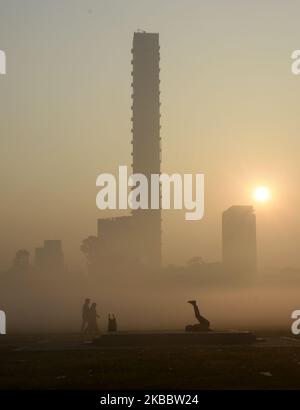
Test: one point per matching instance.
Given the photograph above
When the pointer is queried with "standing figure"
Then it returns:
(92, 327)
(85, 315)
(112, 323)
(109, 324)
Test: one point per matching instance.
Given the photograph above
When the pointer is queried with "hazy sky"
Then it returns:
(230, 108)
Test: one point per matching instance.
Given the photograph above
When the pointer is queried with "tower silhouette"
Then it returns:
(146, 151)
(136, 239)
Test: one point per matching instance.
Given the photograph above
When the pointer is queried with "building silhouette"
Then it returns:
(239, 240)
(146, 149)
(21, 260)
(137, 238)
(50, 257)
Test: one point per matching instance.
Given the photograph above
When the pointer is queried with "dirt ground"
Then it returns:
(69, 362)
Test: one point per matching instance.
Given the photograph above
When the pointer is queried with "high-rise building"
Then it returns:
(146, 149)
(239, 240)
(145, 104)
(138, 237)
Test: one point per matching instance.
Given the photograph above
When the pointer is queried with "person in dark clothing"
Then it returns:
(85, 314)
(109, 324)
(112, 323)
(92, 327)
(203, 325)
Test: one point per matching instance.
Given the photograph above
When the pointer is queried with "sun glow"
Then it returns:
(262, 194)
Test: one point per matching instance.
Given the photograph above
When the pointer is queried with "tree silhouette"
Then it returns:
(89, 248)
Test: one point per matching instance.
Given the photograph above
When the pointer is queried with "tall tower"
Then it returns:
(146, 150)
(239, 240)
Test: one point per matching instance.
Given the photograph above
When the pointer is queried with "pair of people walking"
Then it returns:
(89, 318)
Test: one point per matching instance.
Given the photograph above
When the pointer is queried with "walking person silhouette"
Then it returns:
(112, 323)
(85, 315)
(92, 327)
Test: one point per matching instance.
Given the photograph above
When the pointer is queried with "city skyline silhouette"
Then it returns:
(135, 241)
(224, 114)
(150, 227)
(127, 248)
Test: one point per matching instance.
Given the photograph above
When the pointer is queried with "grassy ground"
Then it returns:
(32, 363)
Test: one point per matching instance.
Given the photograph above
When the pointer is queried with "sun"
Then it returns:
(262, 194)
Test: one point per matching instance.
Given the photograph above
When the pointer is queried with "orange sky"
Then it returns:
(230, 109)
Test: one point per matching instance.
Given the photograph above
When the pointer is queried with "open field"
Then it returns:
(69, 362)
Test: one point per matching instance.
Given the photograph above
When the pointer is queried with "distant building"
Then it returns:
(50, 257)
(239, 240)
(21, 260)
(138, 237)
(146, 137)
